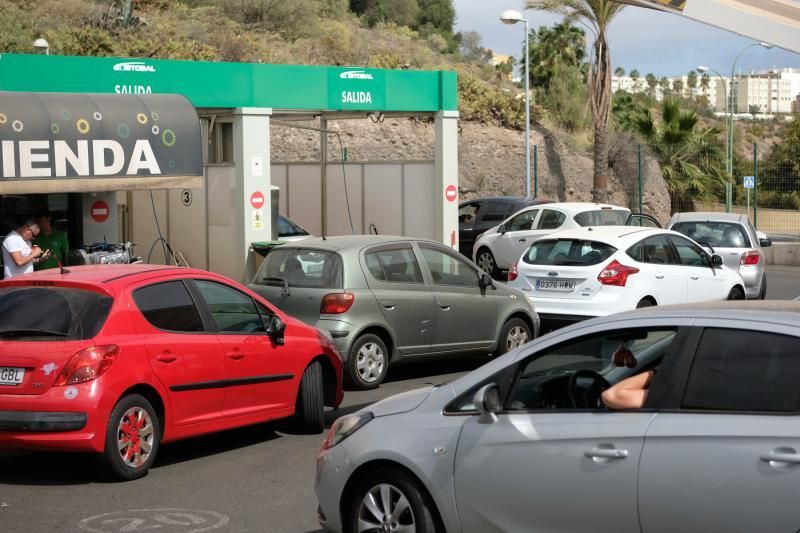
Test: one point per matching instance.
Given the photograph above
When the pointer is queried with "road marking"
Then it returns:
(163, 520)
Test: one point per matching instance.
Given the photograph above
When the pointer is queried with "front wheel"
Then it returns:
(763, 294)
(390, 500)
(132, 438)
(514, 334)
(485, 260)
(367, 363)
(737, 293)
(310, 400)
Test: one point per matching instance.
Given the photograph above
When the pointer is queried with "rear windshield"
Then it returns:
(717, 234)
(603, 217)
(301, 268)
(48, 313)
(567, 252)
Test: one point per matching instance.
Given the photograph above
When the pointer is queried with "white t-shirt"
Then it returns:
(15, 243)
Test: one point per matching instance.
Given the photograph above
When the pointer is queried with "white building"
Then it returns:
(770, 92)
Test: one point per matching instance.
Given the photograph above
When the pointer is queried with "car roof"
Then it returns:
(580, 207)
(108, 275)
(773, 311)
(610, 234)
(708, 216)
(345, 242)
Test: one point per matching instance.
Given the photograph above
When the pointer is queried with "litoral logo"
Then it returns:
(134, 66)
(355, 75)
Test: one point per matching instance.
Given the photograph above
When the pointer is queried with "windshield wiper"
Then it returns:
(30, 333)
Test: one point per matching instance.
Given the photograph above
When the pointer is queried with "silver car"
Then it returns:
(525, 444)
(733, 237)
(387, 298)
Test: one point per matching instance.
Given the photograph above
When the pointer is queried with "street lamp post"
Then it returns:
(704, 69)
(512, 17)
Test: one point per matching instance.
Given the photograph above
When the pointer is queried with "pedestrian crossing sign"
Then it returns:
(749, 182)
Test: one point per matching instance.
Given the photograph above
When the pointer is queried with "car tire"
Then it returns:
(399, 487)
(645, 302)
(367, 363)
(486, 262)
(515, 333)
(311, 400)
(132, 438)
(737, 293)
(763, 294)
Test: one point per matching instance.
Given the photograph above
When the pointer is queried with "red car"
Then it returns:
(117, 359)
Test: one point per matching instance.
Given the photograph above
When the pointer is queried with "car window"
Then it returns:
(169, 306)
(468, 213)
(302, 268)
(551, 219)
(567, 252)
(689, 253)
(737, 370)
(523, 221)
(494, 212)
(232, 311)
(716, 234)
(654, 250)
(602, 217)
(447, 269)
(543, 379)
(287, 228)
(393, 265)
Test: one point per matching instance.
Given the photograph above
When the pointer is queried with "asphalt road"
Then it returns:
(253, 479)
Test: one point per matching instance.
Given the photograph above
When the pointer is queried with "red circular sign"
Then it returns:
(450, 193)
(100, 211)
(257, 200)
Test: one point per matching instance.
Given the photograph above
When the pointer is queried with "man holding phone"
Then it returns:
(51, 240)
(18, 254)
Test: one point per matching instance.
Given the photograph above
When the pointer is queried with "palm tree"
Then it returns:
(619, 72)
(691, 83)
(634, 74)
(549, 48)
(596, 15)
(652, 83)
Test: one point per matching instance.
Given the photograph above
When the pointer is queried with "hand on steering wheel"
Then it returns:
(590, 397)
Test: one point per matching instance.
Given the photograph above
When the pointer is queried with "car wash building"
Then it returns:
(144, 150)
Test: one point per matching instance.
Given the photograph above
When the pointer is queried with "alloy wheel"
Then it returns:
(369, 362)
(135, 436)
(385, 509)
(486, 262)
(517, 336)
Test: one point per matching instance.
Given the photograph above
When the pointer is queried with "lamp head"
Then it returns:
(702, 69)
(511, 16)
(41, 43)
(765, 45)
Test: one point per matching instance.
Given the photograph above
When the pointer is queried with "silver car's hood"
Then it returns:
(401, 403)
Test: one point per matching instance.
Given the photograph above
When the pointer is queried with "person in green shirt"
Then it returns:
(51, 239)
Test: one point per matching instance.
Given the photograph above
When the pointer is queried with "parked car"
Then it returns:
(477, 216)
(524, 443)
(498, 248)
(384, 298)
(290, 231)
(734, 238)
(117, 359)
(587, 272)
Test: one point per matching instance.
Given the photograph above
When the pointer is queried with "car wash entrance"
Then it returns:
(213, 223)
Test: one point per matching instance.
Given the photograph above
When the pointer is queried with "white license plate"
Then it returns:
(562, 285)
(11, 375)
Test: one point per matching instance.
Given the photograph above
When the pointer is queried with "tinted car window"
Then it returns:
(551, 219)
(737, 370)
(233, 311)
(287, 228)
(717, 234)
(42, 313)
(523, 221)
(654, 250)
(168, 306)
(468, 213)
(567, 252)
(602, 217)
(398, 265)
(689, 253)
(447, 269)
(301, 268)
(495, 211)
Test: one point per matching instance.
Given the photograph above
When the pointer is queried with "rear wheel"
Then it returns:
(367, 363)
(645, 302)
(310, 400)
(514, 334)
(737, 293)
(485, 260)
(763, 294)
(132, 438)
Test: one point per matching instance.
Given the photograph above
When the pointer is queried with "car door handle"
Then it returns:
(659, 276)
(388, 305)
(166, 358)
(694, 277)
(236, 356)
(523, 240)
(606, 453)
(444, 305)
(784, 456)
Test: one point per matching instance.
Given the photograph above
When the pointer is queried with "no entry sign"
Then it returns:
(257, 200)
(450, 193)
(100, 211)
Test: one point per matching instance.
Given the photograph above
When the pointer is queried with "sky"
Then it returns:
(642, 39)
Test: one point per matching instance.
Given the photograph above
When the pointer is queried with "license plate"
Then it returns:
(562, 285)
(11, 375)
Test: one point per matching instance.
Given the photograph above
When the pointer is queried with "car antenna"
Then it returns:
(63, 270)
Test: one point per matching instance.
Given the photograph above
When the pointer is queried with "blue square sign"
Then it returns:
(749, 182)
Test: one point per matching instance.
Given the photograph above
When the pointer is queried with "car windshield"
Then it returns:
(567, 252)
(716, 234)
(45, 313)
(287, 228)
(297, 267)
(603, 217)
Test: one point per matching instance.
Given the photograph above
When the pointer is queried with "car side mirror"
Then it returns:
(275, 328)
(502, 229)
(485, 280)
(487, 402)
(716, 260)
(765, 243)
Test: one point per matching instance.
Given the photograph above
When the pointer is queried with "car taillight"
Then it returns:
(616, 274)
(513, 272)
(336, 303)
(87, 365)
(750, 258)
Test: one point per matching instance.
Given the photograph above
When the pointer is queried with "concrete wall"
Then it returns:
(783, 253)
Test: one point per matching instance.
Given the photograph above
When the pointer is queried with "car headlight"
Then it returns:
(344, 427)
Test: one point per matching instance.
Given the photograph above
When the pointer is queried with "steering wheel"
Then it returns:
(588, 397)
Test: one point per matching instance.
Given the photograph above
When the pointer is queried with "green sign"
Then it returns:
(228, 85)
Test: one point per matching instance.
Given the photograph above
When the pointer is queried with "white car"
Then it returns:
(498, 248)
(597, 271)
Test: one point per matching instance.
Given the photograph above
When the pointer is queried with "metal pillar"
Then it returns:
(445, 187)
(323, 167)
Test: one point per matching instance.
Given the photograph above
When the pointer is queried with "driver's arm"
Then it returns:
(630, 393)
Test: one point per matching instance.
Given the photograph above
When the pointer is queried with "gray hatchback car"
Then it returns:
(383, 298)
(524, 444)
